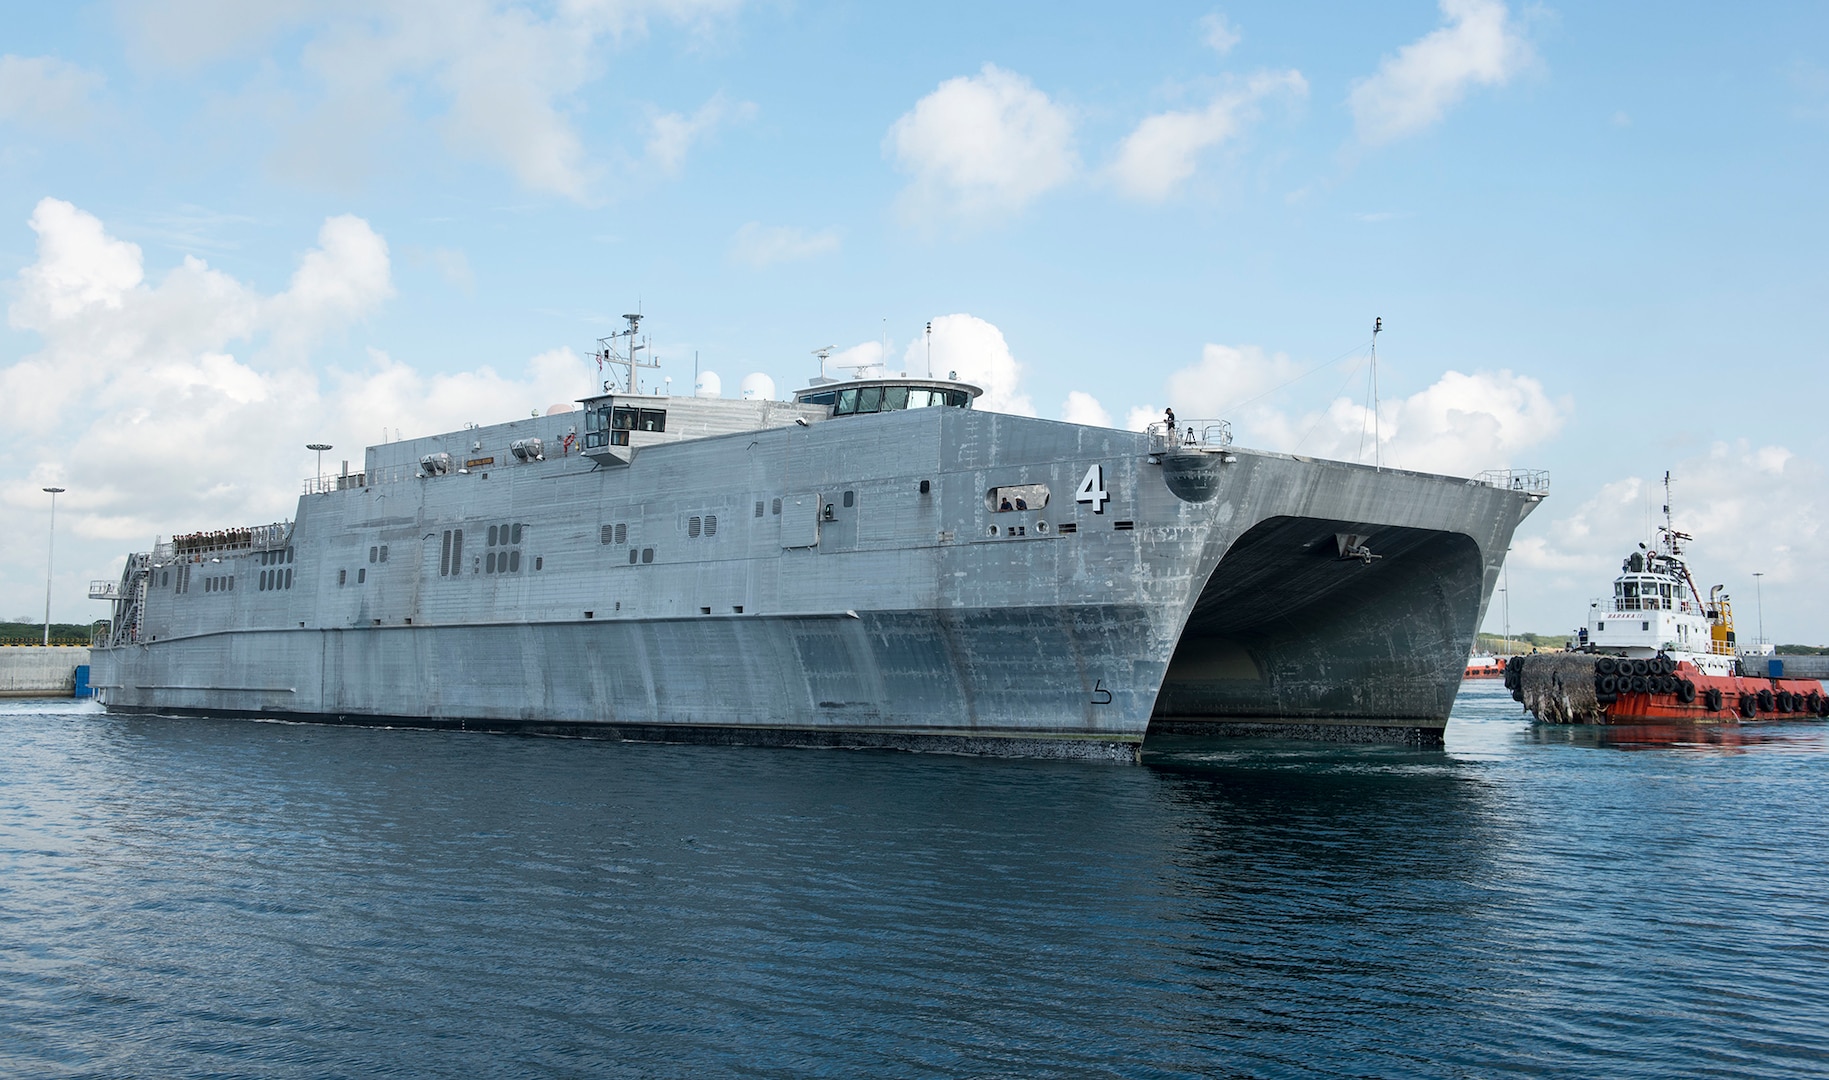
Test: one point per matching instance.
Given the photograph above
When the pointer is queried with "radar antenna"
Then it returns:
(627, 355)
(822, 352)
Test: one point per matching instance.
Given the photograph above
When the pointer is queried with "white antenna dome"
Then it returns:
(709, 385)
(758, 387)
(561, 408)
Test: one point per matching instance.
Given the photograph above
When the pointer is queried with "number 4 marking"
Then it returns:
(1092, 489)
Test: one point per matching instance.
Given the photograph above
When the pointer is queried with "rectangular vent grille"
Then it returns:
(1069, 527)
(1124, 526)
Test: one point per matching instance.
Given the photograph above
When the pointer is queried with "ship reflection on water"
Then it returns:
(1722, 738)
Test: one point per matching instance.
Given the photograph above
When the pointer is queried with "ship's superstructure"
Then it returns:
(875, 562)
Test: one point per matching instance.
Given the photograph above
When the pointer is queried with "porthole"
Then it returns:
(633, 556)
(491, 536)
(711, 525)
(489, 561)
(694, 525)
(514, 562)
(1041, 526)
(622, 534)
(361, 575)
(850, 498)
(538, 561)
(383, 552)
(775, 507)
(374, 553)
(517, 533)
(993, 530)
(647, 555)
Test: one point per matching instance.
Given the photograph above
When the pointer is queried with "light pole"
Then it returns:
(320, 447)
(1759, 599)
(49, 555)
(1505, 602)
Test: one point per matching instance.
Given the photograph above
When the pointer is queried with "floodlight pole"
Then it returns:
(49, 558)
(320, 447)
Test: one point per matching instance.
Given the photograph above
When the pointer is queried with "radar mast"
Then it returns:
(626, 355)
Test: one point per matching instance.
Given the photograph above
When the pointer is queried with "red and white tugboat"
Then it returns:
(1657, 653)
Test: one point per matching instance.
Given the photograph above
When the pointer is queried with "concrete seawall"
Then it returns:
(40, 670)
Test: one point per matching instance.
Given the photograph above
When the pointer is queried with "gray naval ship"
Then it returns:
(873, 563)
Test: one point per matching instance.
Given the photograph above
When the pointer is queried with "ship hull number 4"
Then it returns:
(1092, 489)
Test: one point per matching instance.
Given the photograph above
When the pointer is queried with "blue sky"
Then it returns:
(1595, 233)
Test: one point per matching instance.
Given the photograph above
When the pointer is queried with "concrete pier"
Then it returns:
(40, 670)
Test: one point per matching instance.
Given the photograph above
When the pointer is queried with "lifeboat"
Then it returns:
(1484, 667)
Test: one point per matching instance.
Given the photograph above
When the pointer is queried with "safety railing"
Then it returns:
(1529, 481)
(1192, 434)
(252, 538)
(387, 474)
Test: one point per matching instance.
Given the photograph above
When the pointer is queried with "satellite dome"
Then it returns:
(709, 385)
(758, 387)
(561, 408)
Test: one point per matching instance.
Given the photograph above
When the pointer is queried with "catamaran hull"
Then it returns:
(1242, 592)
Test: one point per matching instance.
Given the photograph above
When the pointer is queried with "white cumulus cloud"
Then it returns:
(1082, 408)
(1728, 498)
(182, 399)
(1461, 424)
(503, 80)
(1163, 151)
(982, 144)
(976, 351)
(1479, 45)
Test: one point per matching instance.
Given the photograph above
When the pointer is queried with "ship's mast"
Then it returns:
(1377, 456)
(629, 356)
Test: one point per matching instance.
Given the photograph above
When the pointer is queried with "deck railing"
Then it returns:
(1194, 434)
(1529, 481)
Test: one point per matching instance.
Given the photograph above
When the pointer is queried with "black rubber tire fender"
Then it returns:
(1606, 665)
(1606, 684)
(1637, 685)
(1713, 699)
(1783, 702)
(1749, 705)
(1686, 691)
(1765, 700)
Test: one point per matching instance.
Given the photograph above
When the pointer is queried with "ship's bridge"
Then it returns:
(888, 394)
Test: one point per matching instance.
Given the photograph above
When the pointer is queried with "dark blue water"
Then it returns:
(218, 898)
